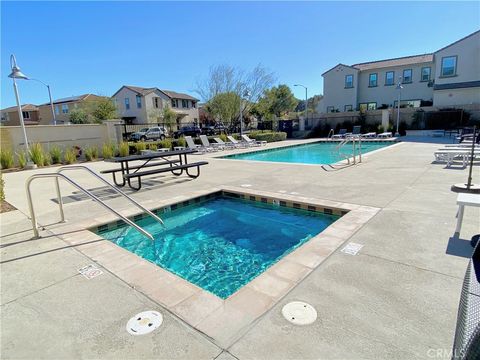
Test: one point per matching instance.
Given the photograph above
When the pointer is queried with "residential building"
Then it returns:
(9, 116)
(448, 77)
(63, 108)
(139, 105)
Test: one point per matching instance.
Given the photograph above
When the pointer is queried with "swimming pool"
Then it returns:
(221, 242)
(314, 153)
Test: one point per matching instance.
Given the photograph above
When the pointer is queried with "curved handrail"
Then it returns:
(88, 193)
(331, 136)
(81, 167)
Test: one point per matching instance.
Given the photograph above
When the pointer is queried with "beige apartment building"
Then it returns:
(9, 116)
(139, 105)
(447, 77)
(63, 108)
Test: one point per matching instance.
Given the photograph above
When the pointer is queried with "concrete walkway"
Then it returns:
(396, 299)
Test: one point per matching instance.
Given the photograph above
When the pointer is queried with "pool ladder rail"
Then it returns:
(58, 175)
(356, 148)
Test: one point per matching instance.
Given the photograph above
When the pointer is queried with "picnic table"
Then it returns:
(135, 166)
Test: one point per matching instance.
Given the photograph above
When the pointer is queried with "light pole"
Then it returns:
(399, 88)
(246, 93)
(50, 97)
(17, 74)
(306, 99)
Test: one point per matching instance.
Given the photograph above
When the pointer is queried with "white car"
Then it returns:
(153, 133)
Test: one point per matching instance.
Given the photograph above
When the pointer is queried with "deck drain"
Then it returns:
(144, 322)
(299, 313)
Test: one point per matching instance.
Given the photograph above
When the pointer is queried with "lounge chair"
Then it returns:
(341, 134)
(191, 144)
(369, 135)
(236, 143)
(225, 145)
(253, 142)
(449, 155)
(385, 135)
(206, 144)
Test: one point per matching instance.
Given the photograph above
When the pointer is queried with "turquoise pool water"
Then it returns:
(315, 153)
(223, 243)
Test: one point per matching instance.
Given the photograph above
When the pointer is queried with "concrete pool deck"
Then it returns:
(397, 298)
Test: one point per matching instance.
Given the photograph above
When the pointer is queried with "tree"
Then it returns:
(276, 101)
(169, 117)
(79, 116)
(225, 107)
(104, 109)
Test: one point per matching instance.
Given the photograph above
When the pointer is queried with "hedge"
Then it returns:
(268, 136)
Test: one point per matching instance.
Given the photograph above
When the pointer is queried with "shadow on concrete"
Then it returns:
(459, 247)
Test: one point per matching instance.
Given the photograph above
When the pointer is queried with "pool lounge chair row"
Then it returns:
(342, 134)
(219, 144)
(456, 152)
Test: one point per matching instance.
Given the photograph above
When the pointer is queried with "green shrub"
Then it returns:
(91, 153)
(70, 156)
(107, 151)
(380, 129)
(167, 143)
(6, 159)
(2, 185)
(223, 137)
(139, 146)
(37, 155)
(47, 160)
(22, 159)
(124, 149)
(56, 154)
(181, 141)
(268, 136)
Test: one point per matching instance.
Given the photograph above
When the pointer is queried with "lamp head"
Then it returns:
(16, 72)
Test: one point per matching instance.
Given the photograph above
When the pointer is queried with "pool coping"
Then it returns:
(224, 321)
(230, 157)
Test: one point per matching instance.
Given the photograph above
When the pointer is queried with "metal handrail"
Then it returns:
(332, 132)
(81, 167)
(88, 193)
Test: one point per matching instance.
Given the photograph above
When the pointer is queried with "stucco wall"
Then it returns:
(455, 97)
(335, 93)
(139, 114)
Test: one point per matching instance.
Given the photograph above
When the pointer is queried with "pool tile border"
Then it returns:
(224, 321)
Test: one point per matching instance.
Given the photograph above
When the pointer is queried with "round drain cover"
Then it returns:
(144, 322)
(299, 313)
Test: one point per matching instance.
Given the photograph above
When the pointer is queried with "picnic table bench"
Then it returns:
(155, 162)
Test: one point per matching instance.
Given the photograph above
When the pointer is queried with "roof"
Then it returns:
(25, 107)
(401, 61)
(340, 64)
(145, 91)
(456, 42)
(176, 95)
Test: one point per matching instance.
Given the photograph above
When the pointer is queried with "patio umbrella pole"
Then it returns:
(469, 187)
(469, 181)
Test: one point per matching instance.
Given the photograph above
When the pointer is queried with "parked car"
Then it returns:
(153, 133)
(214, 129)
(187, 131)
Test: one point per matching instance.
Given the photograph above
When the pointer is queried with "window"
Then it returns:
(174, 103)
(138, 98)
(26, 114)
(407, 76)
(407, 103)
(57, 110)
(372, 106)
(348, 81)
(425, 74)
(449, 66)
(185, 103)
(155, 102)
(348, 108)
(330, 109)
(127, 103)
(64, 109)
(372, 80)
(389, 78)
(194, 104)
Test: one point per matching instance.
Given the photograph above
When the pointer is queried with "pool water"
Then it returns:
(223, 243)
(315, 153)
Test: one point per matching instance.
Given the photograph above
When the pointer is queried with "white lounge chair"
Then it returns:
(236, 143)
(206, 144)
(449, 155)
(191, 144)
(220, 142)
(369, 135)
(253, 142)
(385, 135)
(341, 134)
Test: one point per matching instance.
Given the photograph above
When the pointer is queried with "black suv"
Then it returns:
(187, 131)
(214, 130)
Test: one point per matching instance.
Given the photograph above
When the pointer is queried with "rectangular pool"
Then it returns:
(315, 153)
(221, 242)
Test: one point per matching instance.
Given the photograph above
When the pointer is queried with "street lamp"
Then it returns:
(306, 99)
(399, 88)
(245, 93)
(50, 97)
(17, 74)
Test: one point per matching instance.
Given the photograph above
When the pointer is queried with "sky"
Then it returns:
(96, 47)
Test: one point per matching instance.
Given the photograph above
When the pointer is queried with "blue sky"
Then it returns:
(82, 47)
